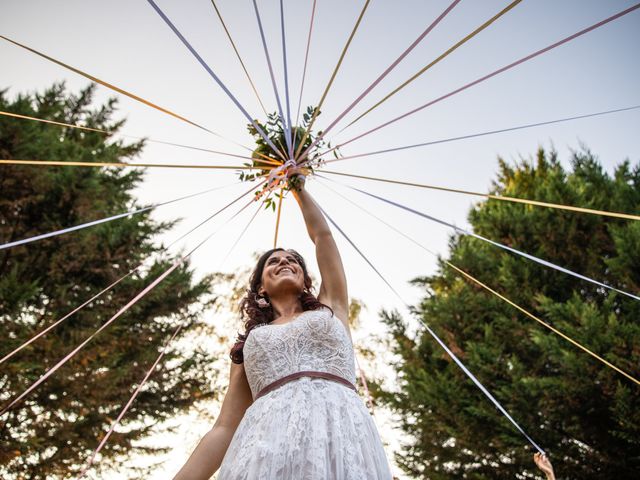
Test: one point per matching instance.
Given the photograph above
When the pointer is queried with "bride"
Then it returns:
(291, 410)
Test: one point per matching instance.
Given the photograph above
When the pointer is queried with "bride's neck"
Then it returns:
(286, 307)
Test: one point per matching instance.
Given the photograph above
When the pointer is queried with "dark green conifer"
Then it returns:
(585, 414)
(55, 429)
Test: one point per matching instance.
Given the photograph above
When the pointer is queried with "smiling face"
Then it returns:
(282, 273)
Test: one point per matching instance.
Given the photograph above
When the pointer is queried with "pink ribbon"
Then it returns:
(364, 384)
(382, 76)
(492, 74)
(275, 175)
(126, 407)
(58, 322)
(132, 302)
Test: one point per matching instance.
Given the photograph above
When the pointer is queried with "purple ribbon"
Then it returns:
(442, 344)
(214, 76)
(102, 220)
(382, 76)
(273, 78)
(493, 74)
(482, 134)
(286, 79)
(497, 244)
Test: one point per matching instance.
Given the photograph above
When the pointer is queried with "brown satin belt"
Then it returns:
(304, 373)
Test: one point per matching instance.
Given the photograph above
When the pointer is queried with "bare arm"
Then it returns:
(333, 288)
(207, 456)
(544, 464)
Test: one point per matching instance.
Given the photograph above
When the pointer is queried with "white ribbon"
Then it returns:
(275, 173)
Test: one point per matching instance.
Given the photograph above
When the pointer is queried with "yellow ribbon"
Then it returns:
(109, 85)
(266, 159)
(121, 164)
(238, 55)
(62, 124)
(437, 60)
(316, 112)
(559, 206)
(542, 322)
(275, 238)
(502, 297)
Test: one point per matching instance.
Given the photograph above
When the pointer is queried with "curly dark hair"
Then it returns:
(253, 315)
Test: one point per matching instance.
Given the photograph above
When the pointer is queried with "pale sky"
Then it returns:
(127, 44)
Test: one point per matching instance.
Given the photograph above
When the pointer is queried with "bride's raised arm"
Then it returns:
(333, 286)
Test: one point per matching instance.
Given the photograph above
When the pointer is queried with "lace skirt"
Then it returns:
(307, 429)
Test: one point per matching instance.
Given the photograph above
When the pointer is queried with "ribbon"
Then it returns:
(112, 87)
(304, 68)
(286, 80)
(77, 309)
(493, 74)
(363, 380)
(206, 220)
(235, 49)
(102, 220)
(492, 291)
(67, 357)
(437, 60)
(146, 139)
(244, 230)
(382, 76)
(212, 74)
(57, 163)
(355, 247)
(275, 235)
(481, 387)
(497, 244)
(481, 134)
(273, 78)
(536, 203)
(316, 112)
(128, 404)
(137, 390)
(477, 382)
(132, 302)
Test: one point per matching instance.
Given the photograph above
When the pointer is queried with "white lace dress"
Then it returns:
(308, 428)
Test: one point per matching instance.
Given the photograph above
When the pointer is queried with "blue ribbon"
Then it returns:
(458, 362)
(102, 220)
(214, 76)
(273, 78)
(482, 134)
(286, 80)
(497, 244)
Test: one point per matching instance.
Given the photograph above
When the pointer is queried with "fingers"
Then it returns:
(540, 459)
(296, 177)
(297, 171)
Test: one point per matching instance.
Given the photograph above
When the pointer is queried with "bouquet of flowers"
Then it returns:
(269, 164)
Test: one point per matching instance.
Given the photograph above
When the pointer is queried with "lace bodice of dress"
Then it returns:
(314, 340)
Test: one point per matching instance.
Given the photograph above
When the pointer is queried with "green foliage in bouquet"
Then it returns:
(265, 158)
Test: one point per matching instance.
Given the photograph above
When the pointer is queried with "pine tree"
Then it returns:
(54, 430)
(586, 415)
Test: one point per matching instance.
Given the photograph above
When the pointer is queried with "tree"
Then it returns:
(585, 414)
(52, 432)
